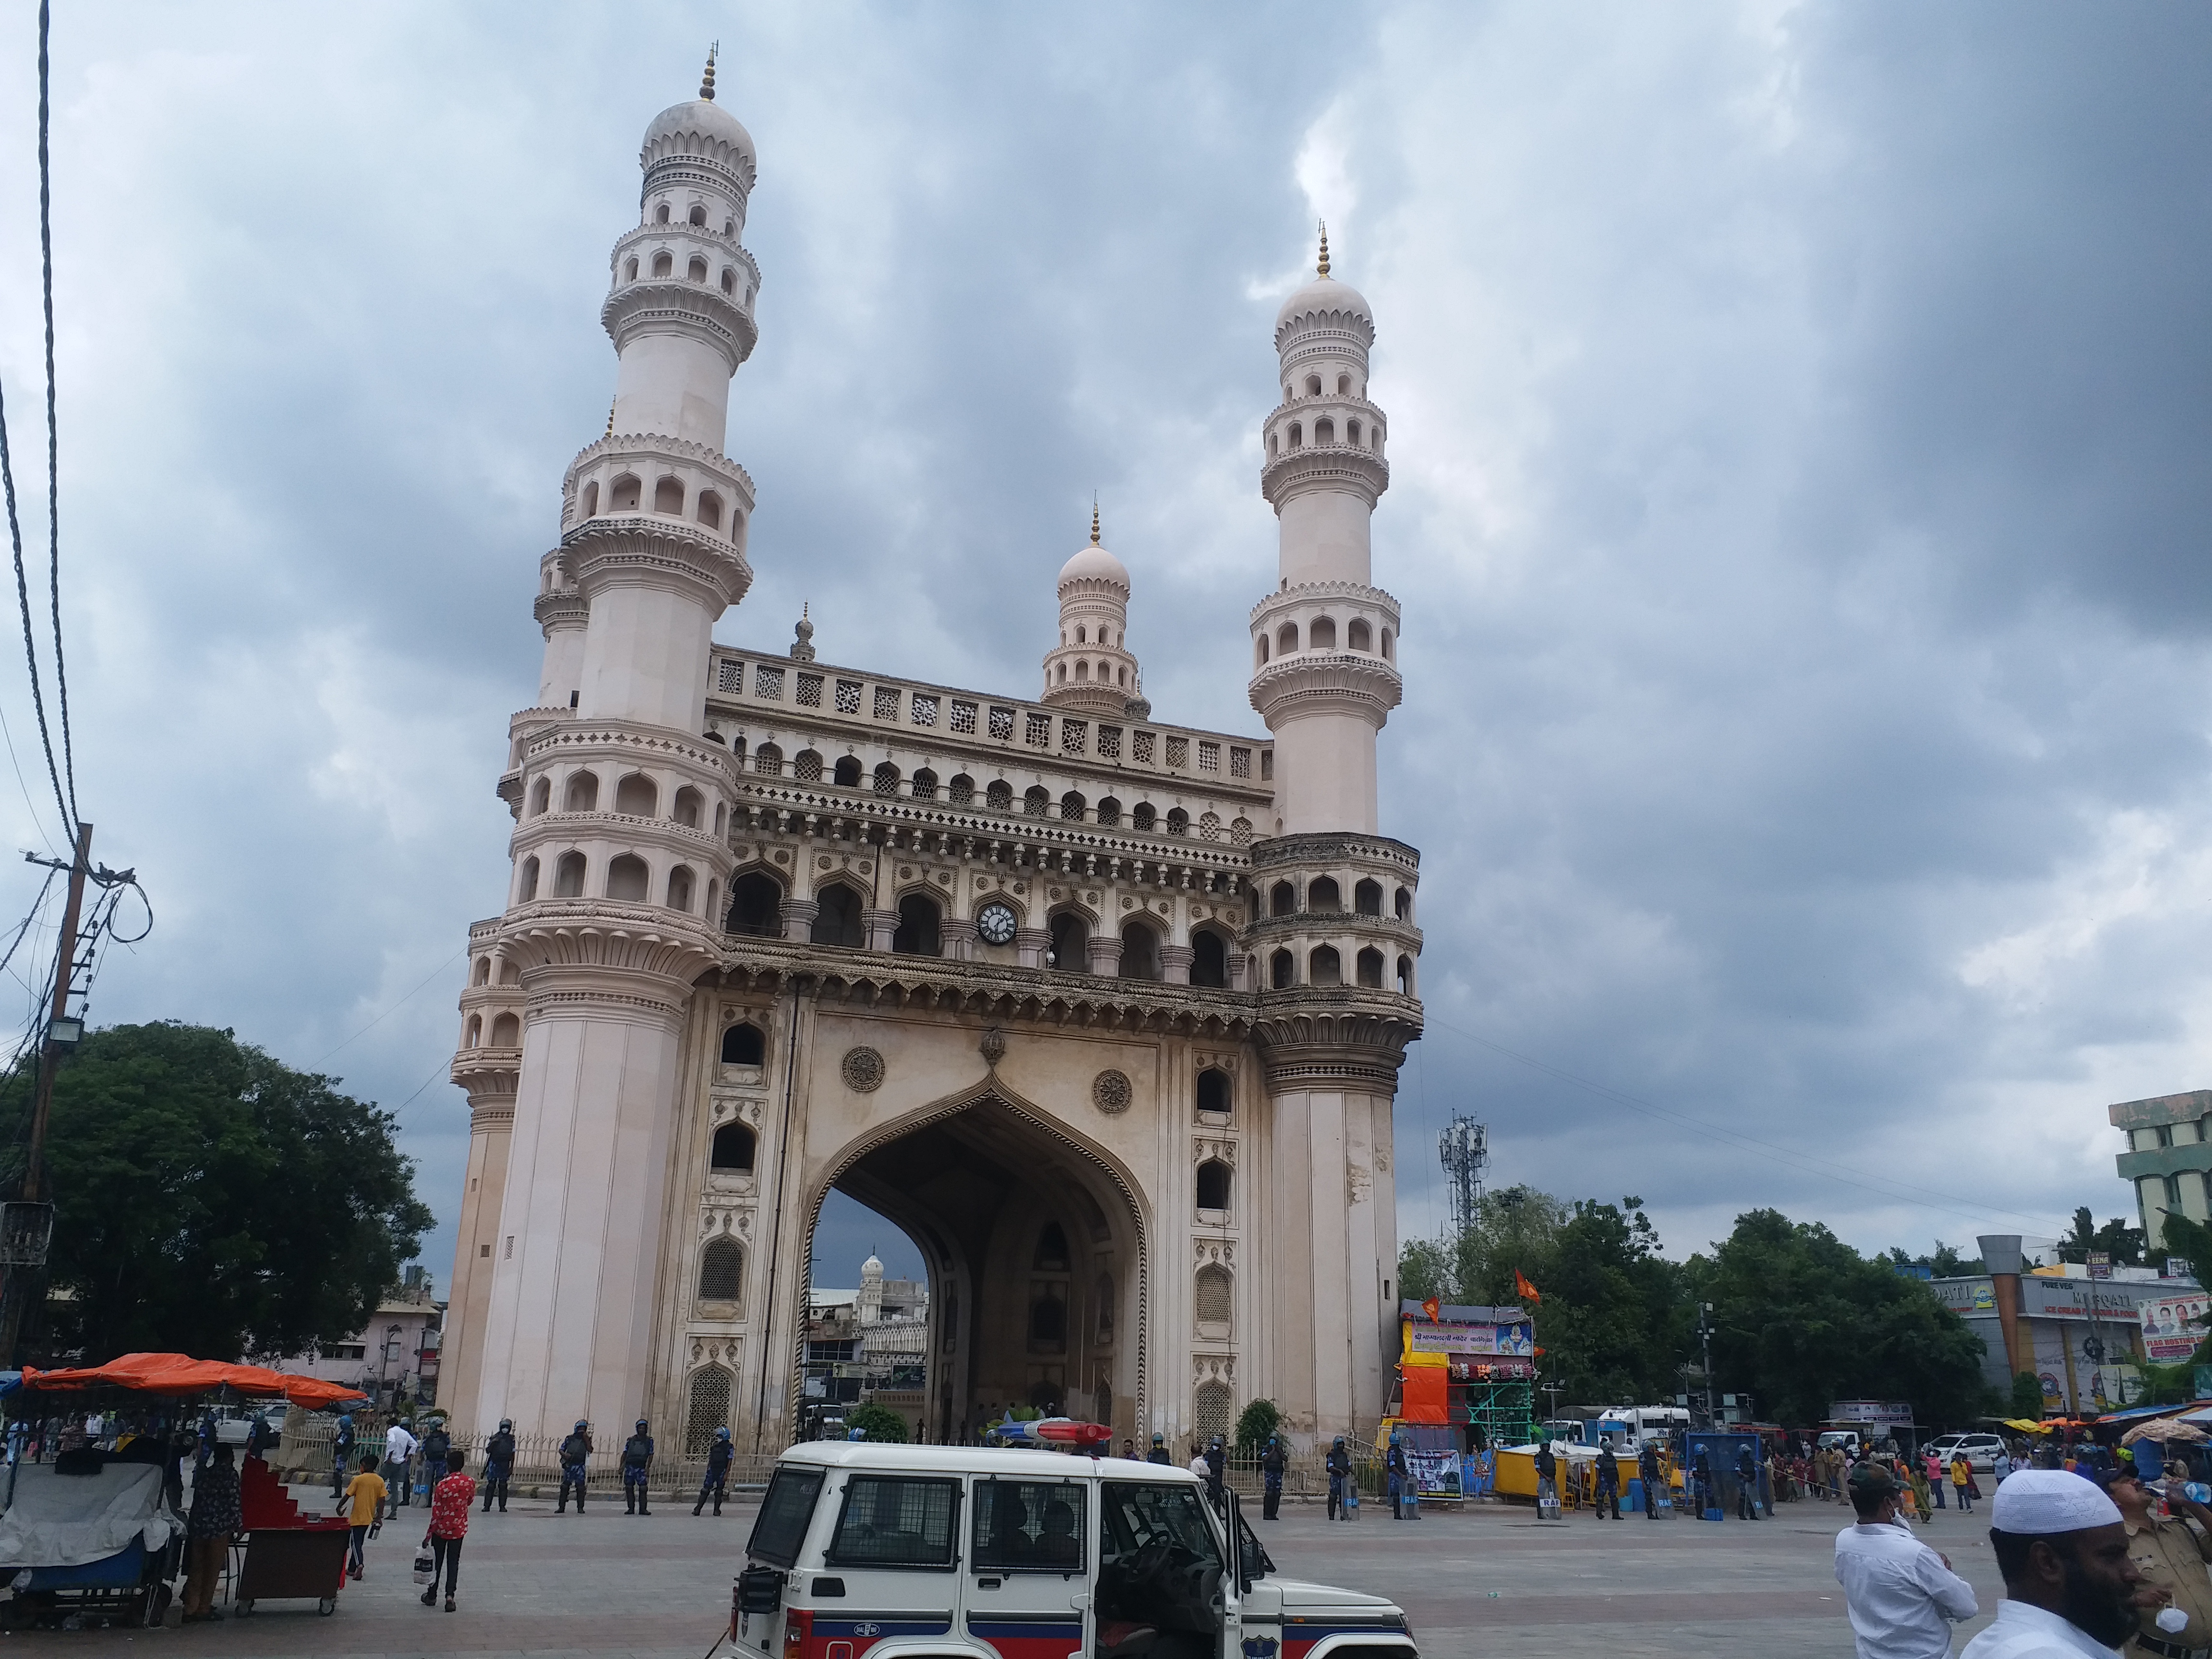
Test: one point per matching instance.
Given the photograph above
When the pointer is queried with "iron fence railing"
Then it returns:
(303, 1456)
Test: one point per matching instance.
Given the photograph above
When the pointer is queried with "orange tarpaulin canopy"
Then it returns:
(1427, 1396)
(180, 1374)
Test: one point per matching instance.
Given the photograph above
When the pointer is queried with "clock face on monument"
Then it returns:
(995, 922)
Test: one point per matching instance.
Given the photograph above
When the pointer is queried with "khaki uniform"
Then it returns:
(2171, 1555)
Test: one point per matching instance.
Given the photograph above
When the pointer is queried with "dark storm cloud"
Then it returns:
(1797, 413)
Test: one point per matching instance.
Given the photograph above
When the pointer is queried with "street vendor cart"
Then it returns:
(89, 1536)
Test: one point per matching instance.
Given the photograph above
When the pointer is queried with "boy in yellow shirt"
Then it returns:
(364, 1497)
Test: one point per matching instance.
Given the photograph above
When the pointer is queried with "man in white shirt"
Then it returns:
(398, 1448)
(2070, 1590)
(1903, 1596)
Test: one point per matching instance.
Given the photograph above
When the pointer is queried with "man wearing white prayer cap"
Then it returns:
(2070, 1590)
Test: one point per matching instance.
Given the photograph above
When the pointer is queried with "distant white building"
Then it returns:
(395, 1356)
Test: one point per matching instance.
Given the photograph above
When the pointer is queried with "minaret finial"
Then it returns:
(611, 417)
(1094, 521)
(1321, 269)
(706, 81)
(802, 645)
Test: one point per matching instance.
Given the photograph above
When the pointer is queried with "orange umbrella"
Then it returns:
(180, 1374)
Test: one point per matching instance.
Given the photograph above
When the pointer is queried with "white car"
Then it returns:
(871, 1551)
(1981, 1450)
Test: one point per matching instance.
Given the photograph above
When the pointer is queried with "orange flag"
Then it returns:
(1526, 1290)
(1435, 1310)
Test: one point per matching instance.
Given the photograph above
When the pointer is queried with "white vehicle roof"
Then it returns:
(975, 1460)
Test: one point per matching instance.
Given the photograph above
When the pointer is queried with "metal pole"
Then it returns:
(64, 971)
(1705, 1338)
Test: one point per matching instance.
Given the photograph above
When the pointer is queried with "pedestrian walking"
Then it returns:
(499, 1464)
(1902, 1596)
(1548, 1480)
(717, 1482)
(342, 1454)
(1338, 1464)
(1273, 1463)
(1608, 1482)
(2070, 1586)
(215, 1519)
(364, 1501)
(2000, 1466)
(575, 1453)
(1931, 1465)
(1393, 1466)
(451, 1500)
(1747, 1484)
(637, 1467)
(1159, 1453)
(1962, 1477)
(398, 1454)
(1647, 1469)
(1919, 1481)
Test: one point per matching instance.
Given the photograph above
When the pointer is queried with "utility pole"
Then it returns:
(1705, 1338)
(29, 1225)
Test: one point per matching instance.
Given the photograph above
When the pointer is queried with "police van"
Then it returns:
(863, 1551)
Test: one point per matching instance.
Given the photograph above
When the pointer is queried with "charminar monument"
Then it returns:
(1104, 1012)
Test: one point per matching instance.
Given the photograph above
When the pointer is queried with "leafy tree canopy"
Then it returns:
(877, 1422)
(2123, 1243)
(210, 1201)
(1256, 1422)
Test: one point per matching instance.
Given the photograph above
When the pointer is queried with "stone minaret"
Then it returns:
(1091, 667)
(621, 861)
(1333, 938)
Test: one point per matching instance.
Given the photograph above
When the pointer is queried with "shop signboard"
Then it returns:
(1876, 1414)
(2170, 1331)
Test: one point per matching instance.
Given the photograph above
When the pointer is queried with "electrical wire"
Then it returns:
(53, 427)
(397, 1006)
(30, 644)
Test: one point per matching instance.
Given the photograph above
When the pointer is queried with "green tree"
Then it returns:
(2028, 1396)
(2123, 1243)
(1800, 1319)
(877, 1422)
(210, 1201)
(1256, 1422)
(1424, 1269)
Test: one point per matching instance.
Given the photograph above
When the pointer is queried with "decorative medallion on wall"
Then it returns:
(863, 1070)
(1111, 1093)
(993, 1046)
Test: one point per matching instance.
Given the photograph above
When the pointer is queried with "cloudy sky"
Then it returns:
(1799, 421)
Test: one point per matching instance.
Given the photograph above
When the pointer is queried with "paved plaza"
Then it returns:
(1490, 1581)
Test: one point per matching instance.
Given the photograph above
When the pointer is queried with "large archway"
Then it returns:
(1034, 1247)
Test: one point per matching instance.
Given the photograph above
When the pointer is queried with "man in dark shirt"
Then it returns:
(1608, 1482)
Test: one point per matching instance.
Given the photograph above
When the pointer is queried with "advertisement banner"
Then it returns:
(2169, 1331)
(1472, 1342)
(1435, 1473)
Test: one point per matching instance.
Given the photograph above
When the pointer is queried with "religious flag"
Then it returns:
(1435, 1310)
(1523, 1288)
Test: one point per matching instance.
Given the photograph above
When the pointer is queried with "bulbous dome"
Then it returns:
(702, 128)
(871, 1268)
(1094, 563)
(1323, 294)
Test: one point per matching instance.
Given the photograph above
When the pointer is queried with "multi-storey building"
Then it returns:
(1105, 1011)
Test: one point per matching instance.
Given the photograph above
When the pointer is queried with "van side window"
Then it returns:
(889, 1521)
(1157, 1561)
(780, 1529)
(1029, 1526)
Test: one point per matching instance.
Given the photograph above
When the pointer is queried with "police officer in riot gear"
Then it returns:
(575, 1452)
(636, 1464)
(718, 1471)
(499, 1463)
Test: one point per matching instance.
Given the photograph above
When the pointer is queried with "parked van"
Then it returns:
(864, 1551)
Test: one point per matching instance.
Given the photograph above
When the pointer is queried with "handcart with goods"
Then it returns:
(101, 1533)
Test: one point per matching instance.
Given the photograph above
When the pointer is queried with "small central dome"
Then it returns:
(1094, 563)
(1324, 294)
(702, 118)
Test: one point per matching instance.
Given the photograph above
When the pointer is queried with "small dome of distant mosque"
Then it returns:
(871, 1268)
(1095, 563)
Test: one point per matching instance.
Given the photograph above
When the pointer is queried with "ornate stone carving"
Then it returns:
(1110, 1092)
(993, 1046)
(862, 1068)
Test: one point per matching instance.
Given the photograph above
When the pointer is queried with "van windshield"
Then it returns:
(780, 1530)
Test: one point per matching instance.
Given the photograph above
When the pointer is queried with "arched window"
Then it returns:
(1211, 1300)
(1282, 970)
(1109, 812)
(1358, 636)
(1324, 966)
(582, 795)
(755, 905)
(1313, 385)
(1048, 1323)
(1367, 898)
(920, 926)
(1081, 638)
(999, 797)
(1286, 639)
(839, 921)
(721, 1271)
(1036, 801)
(708, 1410)
(1298, 435)
(744, 1044)
(698, 214)
(1351, 432)
(569, 875)
(1259, 651)
(592, 498)
(636, 797)
(474, 1039)
(710, 509)
(688, 805)
(1324, 431)
(1282, 900)
(1386, 644)
(887, 779)
(1071, 807)
(1209, 959)
(527, 890)
(668, 496)
(1070, 942)
(507, 1032)
(630, 271)
(622, 493)
(1321, 895)
(729, 280)
(1211, 1407)
(1274, 439)
(925, 785)
(696, 270)
(1051, 1253)
(1063, 673)
(679, 888)
(767, 761)
(1140, 952)
(733, 1143)
(1213, 1090)
(661, 214)
(664, 263)
(1178, 821)
(1343, 385)
(481, 974)
(806, 766)
(846, 773)
(541, 796)
(1082, 672)
(714, 896)
(1321, 636)
(629, 878)
(1213, 1185)
(961, 792)
(1405, 904)
(1142, 818)
(1405, 976)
